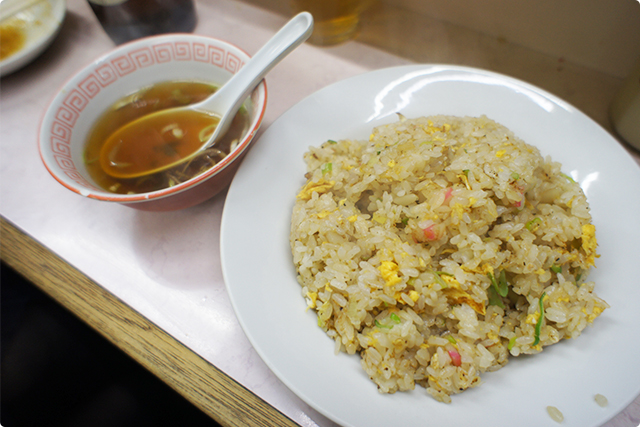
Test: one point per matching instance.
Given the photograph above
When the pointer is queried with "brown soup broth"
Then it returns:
(145, 101)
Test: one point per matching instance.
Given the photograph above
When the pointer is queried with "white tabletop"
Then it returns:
(166, 266)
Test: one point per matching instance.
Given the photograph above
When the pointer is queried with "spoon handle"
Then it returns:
(233, 93)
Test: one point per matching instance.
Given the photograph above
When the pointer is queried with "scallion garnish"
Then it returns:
(531, 224)
(326, 168)
(437, 274)
(567, 177)
(494, 298)
(380, 325)
(539, 322)
(556, 268)
(501, 286)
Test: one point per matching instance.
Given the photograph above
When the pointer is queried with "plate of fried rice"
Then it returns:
(440, 245)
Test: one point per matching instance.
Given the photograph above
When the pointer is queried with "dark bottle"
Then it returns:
(126, 20)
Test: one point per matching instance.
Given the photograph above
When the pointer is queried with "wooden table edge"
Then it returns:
(200, 382)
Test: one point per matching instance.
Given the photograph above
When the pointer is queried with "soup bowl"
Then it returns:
(128, 68)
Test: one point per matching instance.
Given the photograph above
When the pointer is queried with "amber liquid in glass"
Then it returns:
(132, 19)
(335, 21)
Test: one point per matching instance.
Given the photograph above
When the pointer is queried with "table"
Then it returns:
(151, 283)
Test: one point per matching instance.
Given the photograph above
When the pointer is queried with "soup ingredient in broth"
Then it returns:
(170, 137)
(159, 141)
(441, 247)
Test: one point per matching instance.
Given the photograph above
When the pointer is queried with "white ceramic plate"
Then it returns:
(40, 23)
(261, 280)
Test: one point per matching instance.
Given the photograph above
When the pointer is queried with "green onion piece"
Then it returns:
(556, 268)
(512, 342)
(206, 132)
(451, 339)
(331, 141)
(539, 323)
(405, 221)
(567, 177)
(515, 176)
(91, 161)
(503, 286)
(529, 225)
(380, 325)
(394, 317)
(493, 280)
(326, 168)
(494, 298)
(466, 172)
(443, 273)
(437, 274)
(578, 277)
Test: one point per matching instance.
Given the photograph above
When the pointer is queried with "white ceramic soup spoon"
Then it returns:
(222, 104)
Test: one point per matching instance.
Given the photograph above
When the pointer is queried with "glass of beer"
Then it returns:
(335, 21)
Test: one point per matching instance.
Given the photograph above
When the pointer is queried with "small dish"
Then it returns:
(39, 24)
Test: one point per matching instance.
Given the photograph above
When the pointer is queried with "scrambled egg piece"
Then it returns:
(589, 242)
(465, 181)
(597, 310)
(380, 219)
(431, 128)
(532, 318)
(319, 187)
(456, 295)
(483, 269)
(458, 210)
(389, 272)
(311, 299)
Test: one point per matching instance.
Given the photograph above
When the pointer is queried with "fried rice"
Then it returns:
(441, 247)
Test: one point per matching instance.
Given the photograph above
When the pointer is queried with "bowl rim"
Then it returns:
(103, 194)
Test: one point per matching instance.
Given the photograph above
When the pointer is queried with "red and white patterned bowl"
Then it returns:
(73, 111)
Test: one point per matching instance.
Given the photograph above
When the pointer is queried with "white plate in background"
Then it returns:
(40, 23)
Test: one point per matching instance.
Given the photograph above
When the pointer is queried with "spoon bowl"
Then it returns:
(128, 152)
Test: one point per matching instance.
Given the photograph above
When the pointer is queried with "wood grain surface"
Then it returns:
(208, 388)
